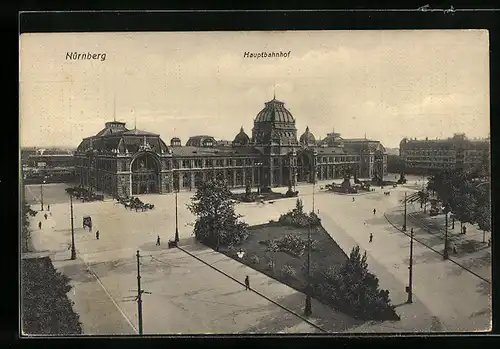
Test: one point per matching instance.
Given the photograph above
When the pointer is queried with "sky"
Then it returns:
(385, 84)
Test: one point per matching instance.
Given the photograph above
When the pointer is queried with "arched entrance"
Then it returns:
(145, 175)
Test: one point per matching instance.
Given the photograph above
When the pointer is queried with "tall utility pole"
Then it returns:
(259, 167)
(73, 250)
(41, 194)
(176, 220)
(410, 268)
(404, 224)
(139, 293)
(307, 307)
(445, 253)
(314, 181)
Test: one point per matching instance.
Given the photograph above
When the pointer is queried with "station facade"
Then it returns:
(125, 162)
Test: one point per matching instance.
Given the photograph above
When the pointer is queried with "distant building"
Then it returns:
(131, 162)
(49, 164)
(429, 155)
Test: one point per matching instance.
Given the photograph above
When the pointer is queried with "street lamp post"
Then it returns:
(73, 250)
(295, 179)
(259, 166)
(41, 193)
(315, 168)
(410, 269)
(404, 224)
(307, 307)
(176, 239)
(445, 253)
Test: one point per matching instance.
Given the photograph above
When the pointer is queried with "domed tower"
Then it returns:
(275, 135)
(274, 124)
(175, 142)
(241, 138)
(307, 138)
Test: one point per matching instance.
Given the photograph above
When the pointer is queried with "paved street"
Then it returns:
(445, 297)
(187, 297)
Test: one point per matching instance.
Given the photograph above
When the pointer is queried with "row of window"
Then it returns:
(431, 164)
(201, 163)
(431, 152)
(428, 158)
(108, 164)
(444, 159)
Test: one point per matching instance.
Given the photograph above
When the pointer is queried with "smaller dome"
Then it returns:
(175, 142)
(241, 138)
(307, 137)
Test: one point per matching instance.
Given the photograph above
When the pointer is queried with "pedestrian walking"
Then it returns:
(374, 210)
(39, 225)
(158, 240)
(454, 249)
(371, 237)
(45, 215)
(464, 230)
(48, 207)
(247, 283)
(97, 235)
(353, 199)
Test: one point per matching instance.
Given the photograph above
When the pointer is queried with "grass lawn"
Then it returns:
(46, 308)
(324, 252)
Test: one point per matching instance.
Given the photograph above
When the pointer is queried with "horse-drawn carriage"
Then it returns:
(135, 203)
(87, 222)
(84, 194)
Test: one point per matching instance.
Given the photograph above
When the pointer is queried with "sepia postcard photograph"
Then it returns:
(255, 182)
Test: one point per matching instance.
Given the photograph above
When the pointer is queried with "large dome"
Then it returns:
(274, 111)
(307, 137)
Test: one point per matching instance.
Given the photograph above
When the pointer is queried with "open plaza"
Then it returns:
(193, 289)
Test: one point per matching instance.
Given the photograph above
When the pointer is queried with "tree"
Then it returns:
(466, 193)
(217, 223)
(355, 290)
(482, 212)
(299, 206)
(421, 197)
(25, 226)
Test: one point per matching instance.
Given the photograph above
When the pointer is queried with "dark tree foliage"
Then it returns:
(354, 290)
(217, 223)
(46, 308)
(26, 212)
(466, 194)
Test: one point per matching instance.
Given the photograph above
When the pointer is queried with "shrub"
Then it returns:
(288, 271)
(298, 218)
(354, 290)
(46, 308)
(254, 259)
(292, 243)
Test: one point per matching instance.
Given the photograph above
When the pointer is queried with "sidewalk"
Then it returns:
(97, 314)
(472, 255)
(474, 239)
